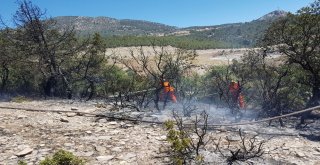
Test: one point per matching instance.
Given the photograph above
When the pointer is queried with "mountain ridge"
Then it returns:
(241, 34)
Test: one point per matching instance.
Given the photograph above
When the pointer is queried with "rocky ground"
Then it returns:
(31, 136)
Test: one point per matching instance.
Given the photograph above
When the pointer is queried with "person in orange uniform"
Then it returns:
(236, 95)
(168, 91)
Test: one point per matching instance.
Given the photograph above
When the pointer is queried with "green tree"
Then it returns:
(45, 46)
(298, 38)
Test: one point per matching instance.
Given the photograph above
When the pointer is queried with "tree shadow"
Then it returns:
(311, 137)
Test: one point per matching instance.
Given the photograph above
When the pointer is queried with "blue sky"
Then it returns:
(181, 13)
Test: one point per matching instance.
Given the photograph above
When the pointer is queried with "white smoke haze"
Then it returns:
(216, 114)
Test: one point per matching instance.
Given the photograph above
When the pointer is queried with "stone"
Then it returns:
(104, 137)
(71, 114)
(234, 138)
(300, 154)
(88, 132)
(100, 149)
(317, 149)
(127, 156)
(113, 123)
(161, 138)
(116, 149)
(24, 152)
(64, 120)
(74, 109)
(22, 116)
(250, 133)
(222, 129)
(104, 158)
(68, 144)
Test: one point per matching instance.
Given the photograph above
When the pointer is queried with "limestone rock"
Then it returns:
(104, 158)
(64, 120)
(300, 154)
(127, 156)
(71, 114)
(234, 138)
(24, 152)
(74, 109)
(22, 116)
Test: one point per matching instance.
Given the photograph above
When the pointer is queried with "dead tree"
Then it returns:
(246, 149)
(159, 64)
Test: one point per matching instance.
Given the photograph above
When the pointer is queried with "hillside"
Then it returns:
(109, 26)
(237, 34)
(227, 35)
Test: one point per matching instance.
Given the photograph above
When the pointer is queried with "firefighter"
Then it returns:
(236, 95)
(168, 91)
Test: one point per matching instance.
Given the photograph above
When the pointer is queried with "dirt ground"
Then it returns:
(31, 136)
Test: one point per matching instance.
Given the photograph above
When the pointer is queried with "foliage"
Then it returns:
(63, 157)
(187, 142)
(298, 38)
(190, 90)
(165, 64)
(183, 42)
(218, 79)
(180, 143)
(21, 162)
(19, 99)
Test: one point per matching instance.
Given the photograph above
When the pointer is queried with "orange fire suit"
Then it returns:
(236, 95)
(168, 91)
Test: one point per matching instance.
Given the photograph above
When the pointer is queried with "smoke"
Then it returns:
(216, 114)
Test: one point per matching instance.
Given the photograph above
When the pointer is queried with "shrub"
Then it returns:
(21, 162)
(19, 99)
(63, 157)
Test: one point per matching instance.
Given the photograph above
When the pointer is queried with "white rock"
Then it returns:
(100, 149)
(71, 114)
(300, 154)
(22, 116)
(161, 138)
(234, 138)
(24, 152)
(64, 120)
(105, 158)
(68, 144)
(113, 123)
(104, 137)
(127, 156)
(74, 109)
(116, 149)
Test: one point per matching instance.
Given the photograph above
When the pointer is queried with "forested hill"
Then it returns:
(109, 26)
(237, 34)
(226, 35)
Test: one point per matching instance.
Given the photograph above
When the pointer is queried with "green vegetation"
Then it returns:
(186, 143)
(136, 33)
(20, 99)
(20, 162)
(235, 35)
(183, 42)
(63, 157)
